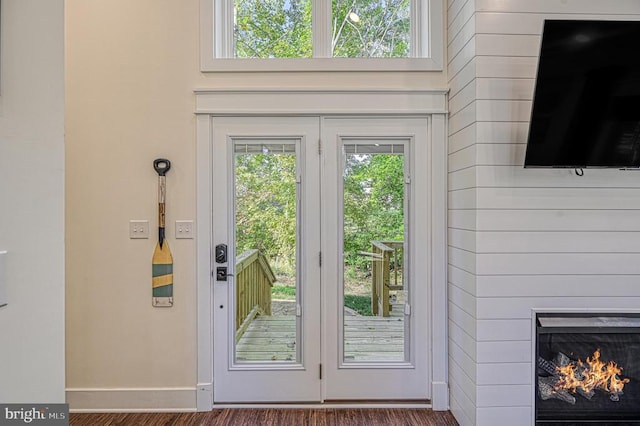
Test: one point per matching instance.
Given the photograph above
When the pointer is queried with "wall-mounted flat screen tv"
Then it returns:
(586, 104)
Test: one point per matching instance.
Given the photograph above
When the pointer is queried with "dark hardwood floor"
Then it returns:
(275, 417)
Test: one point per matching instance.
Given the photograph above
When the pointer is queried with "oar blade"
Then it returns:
(162, 276)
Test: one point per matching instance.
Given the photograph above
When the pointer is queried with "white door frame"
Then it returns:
(431, 104)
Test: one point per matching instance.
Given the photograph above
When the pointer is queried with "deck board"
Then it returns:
(272, 338)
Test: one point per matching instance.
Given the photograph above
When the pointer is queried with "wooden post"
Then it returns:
(374, 280)
(386, 262)
(381, 254)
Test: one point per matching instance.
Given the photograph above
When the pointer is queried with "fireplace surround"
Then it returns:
(587, 369)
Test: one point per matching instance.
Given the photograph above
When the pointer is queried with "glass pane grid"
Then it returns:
(374, 148)
(265, 148)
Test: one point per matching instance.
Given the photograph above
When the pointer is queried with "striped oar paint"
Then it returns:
(162, 270)
(162, 265)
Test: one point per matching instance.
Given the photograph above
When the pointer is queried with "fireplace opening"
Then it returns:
(588, 369)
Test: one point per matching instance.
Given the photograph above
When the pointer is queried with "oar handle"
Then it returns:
(162, 166)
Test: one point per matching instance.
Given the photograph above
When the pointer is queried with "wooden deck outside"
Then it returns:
(267, 334)
(272, 338)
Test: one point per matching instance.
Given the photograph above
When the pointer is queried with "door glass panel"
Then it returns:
(266, 292)
(374, 272)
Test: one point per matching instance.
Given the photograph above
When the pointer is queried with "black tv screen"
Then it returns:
(586, 104)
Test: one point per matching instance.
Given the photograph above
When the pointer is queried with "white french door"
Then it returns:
(379, 357)
(283, 151)
(315, 346)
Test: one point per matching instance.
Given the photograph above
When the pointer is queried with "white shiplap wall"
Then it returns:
(462, 65)
(521, 239)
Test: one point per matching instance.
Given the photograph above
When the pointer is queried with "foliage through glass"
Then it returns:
(359, 28)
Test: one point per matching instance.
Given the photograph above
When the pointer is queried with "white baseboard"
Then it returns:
(132, 400)
(158, 400)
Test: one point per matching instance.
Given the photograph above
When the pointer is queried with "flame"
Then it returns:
(590, 375)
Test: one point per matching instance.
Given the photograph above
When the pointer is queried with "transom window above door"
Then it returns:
(321, 35)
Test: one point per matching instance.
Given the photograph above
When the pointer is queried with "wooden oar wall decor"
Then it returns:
(162, 264)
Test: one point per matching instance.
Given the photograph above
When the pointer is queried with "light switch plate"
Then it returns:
(184, 229)
(138, 229)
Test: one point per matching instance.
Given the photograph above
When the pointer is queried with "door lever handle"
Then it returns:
(222, 274)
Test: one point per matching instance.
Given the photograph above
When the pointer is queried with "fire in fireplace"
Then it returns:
(567, 377)
(588, 369)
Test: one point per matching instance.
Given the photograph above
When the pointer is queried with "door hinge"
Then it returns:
(319, 146)
(407, 309)
(320, 370)
(320, 258)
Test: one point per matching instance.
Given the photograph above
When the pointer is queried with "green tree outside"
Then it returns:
(373, 200)
(266, 208)
(360, 28)
(373, 203)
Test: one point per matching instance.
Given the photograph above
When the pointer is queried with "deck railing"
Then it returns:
(385, 276)
(253, 280)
